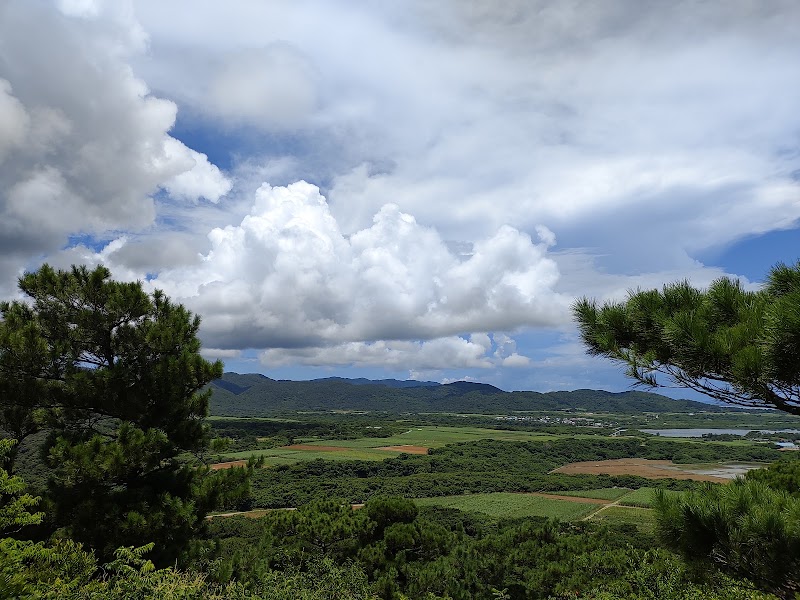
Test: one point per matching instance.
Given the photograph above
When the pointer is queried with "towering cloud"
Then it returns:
(287, 277)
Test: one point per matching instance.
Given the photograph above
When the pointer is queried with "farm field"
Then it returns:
(656, 469)
(414, 441)
(431, 436)
(418, 439)
(609, 494)
(629, 506)
(511, 505)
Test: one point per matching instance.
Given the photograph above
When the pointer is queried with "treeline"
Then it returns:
(783, 474)
(255, 395)
(747, 529)
(251, 434)
(484, 466)
(445, 553)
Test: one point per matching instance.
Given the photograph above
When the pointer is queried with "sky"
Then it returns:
(413, 189)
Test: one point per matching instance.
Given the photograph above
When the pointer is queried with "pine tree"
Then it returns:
(115, 376)
(731, 344)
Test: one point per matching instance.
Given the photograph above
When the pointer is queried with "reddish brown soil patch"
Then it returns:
(405, 448)
(651, 469)
(318, 448)
(229, 465)
(577, 499)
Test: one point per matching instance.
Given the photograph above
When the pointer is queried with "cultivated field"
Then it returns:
(431, 436)
(511, 505)
(609, 494)
(651, 469)
(604, 504)
(416, 440)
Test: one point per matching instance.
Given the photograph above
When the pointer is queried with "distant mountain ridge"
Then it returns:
(393, 383)
(254, 395)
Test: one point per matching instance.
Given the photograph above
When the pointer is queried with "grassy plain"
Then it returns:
(631, 506)
(510, 505)
(600, 493)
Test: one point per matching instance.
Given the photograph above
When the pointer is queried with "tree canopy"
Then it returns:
(114, 376)
(732, 344)
(745, 528)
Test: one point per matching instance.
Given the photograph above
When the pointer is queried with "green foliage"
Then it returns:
(256, 434)
(659, 575)
(745, 529)
(444, 553)
(783, 475)
(14, 502)
(34, 570)
(641, 519)
(64, 570)
(731, 344)
(645, 497)
(115, 378)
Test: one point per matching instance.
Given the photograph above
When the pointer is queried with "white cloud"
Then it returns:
(675, 123)
(642, 134)
(219, 353)
(84, 145)
(287, 277)
(516, 360)
(271, 87)
(469, 378)
(581, 276)
(14, 120)
(79, 8)
(199, 179)
(441, 353)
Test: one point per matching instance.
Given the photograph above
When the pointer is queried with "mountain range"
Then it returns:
(255, 395)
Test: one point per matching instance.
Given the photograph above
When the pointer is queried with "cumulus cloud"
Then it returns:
(286, 277)
(84, 146)
(198, 179)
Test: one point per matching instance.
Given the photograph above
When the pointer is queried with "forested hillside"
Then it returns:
(254, 395)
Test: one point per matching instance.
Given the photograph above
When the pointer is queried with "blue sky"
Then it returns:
(413, 191)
